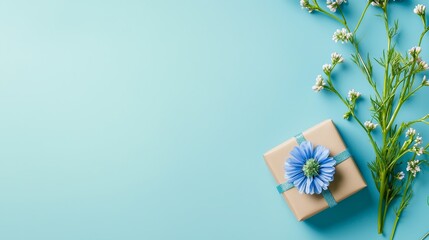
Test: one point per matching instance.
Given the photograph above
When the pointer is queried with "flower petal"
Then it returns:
(309, 188)
(321, 183)
(318, 184)
(327, 170)
(330, 161)
(300, 184)
(294, 162)
(294, 177)
(307, 146)
(321, 153)
(297, 155)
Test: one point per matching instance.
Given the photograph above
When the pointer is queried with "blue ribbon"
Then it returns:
(327, 195)
(300, 138)
(284, 187)
(342, 156)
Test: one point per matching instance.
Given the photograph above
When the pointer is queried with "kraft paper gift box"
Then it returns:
(347, 178)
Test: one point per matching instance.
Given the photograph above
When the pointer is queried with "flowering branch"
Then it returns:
(399, 85)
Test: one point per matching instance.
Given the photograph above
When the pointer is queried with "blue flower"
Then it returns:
(310, 169)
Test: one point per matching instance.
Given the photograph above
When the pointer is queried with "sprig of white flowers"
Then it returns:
(334, 4)
(410, 132)
(415, 138)
(353, 95)
(420, 9)
(425, 82)
(370, 125)
(327, 68)
(413, 167)
(378, 3)
(336, 58)
(342, 35)
(305, 4)
(400, 175)
(319, 85)
(415, 51)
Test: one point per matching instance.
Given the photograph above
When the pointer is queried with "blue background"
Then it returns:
(149, 119)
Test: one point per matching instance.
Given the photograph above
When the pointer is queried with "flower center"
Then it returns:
(311, 168)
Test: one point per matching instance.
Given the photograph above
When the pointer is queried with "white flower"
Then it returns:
(415, 51)
(410, 132)
(319, 85)
(376, 3)
(336, 58)
(422, 64)
(400, 175)
(334, 4)
(342, 35)
(353, 95)
(413, 167)
(370, 125)
(425, 82)
(417, 150)
(305, 4)
(347, 115)
(420, 9)
(327, 68)
(418, 141)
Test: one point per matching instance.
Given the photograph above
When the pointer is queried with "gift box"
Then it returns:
(314, 170)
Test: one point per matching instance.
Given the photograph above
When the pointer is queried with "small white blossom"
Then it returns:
(334, 4)
(425, 82)
(415, 51)
(342, 35)
(418, 150)
(319, 85)
(353, 95)
(336, 58)
(418, 140)
(420, 9)
(327, 68)
(400, 175)
(410, 132)
(306, 5)
(377, 3)
(347, 115)
(370, 125)
(422, 64)
(413, 167)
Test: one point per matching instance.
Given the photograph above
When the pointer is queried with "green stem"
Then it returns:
(386, 67)
(422, 35)
(386, 205)
(425, 236)
(397, 158)
(394, 228)
(401, 206)
(329, 15)
(384, 124)
(361, 17)
(395, 113)
(381, 203)
(402, 97)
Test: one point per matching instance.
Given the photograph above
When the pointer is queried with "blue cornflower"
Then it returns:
(310, 169)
